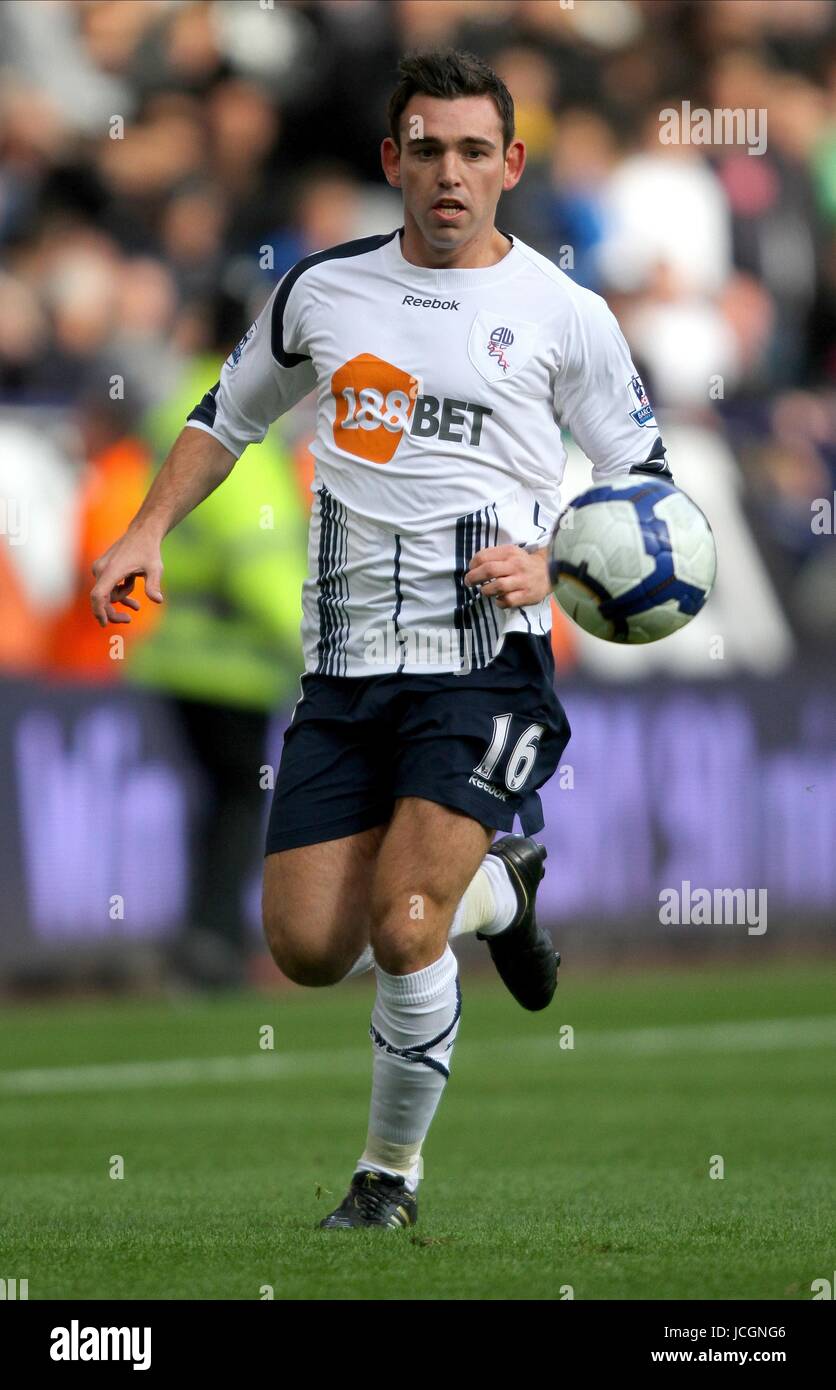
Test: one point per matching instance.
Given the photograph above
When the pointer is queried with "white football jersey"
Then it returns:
(440, 397)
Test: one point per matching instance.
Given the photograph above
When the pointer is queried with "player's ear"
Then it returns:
(514, 164)
(390, 158)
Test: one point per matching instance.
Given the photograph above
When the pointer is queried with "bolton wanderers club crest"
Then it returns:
(498, 348)
(499, 339)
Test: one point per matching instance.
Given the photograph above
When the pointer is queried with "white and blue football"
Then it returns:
(632, 560)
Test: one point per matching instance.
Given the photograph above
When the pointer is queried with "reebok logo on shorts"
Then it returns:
(486, 787)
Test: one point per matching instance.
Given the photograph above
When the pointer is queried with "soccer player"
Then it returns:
(444, 355)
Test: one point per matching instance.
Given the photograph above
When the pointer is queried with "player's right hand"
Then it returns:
(116, 572)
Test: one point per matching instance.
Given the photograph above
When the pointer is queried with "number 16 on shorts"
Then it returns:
(518, 762)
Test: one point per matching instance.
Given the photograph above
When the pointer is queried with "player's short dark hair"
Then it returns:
(449, 73)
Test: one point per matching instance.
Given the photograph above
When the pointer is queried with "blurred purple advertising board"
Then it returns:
(728, 786)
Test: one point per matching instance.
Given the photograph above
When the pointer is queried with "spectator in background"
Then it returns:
(247, 129)
(771, 197)
(114, 482)
(534, 80)
(38, 519)
(245, 126)
(567, 212)
(326, 211)
(144, 346)
(25, 340)
(226, 655)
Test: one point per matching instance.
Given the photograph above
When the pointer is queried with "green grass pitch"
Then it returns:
(547, 1166)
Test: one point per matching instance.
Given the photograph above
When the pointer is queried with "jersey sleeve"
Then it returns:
(599, 396)
(263, 377)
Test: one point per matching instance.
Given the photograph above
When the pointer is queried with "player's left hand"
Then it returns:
(513, 576)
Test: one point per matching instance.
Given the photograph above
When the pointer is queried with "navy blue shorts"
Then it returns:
(481, 743)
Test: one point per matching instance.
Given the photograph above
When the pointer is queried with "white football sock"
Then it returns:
(489, 904)
(364, 962)
(413, 1028)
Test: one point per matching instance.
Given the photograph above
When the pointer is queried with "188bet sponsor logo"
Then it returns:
(377, 403)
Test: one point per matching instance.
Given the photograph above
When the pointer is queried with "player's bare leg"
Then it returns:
(316, 914)
(427, 858)
(315, 906)
(404, 888)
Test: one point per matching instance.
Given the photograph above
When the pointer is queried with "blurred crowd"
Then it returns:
(163, 162)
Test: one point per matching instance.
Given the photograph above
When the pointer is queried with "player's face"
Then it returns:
(452, 169)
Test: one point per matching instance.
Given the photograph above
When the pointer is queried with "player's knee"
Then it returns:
(301, 962)
(401, 934)
(311, 971)
(393, 909)
(306, 967)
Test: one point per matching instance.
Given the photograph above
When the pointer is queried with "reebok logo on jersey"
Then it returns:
(377, 403)
(430, 303)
